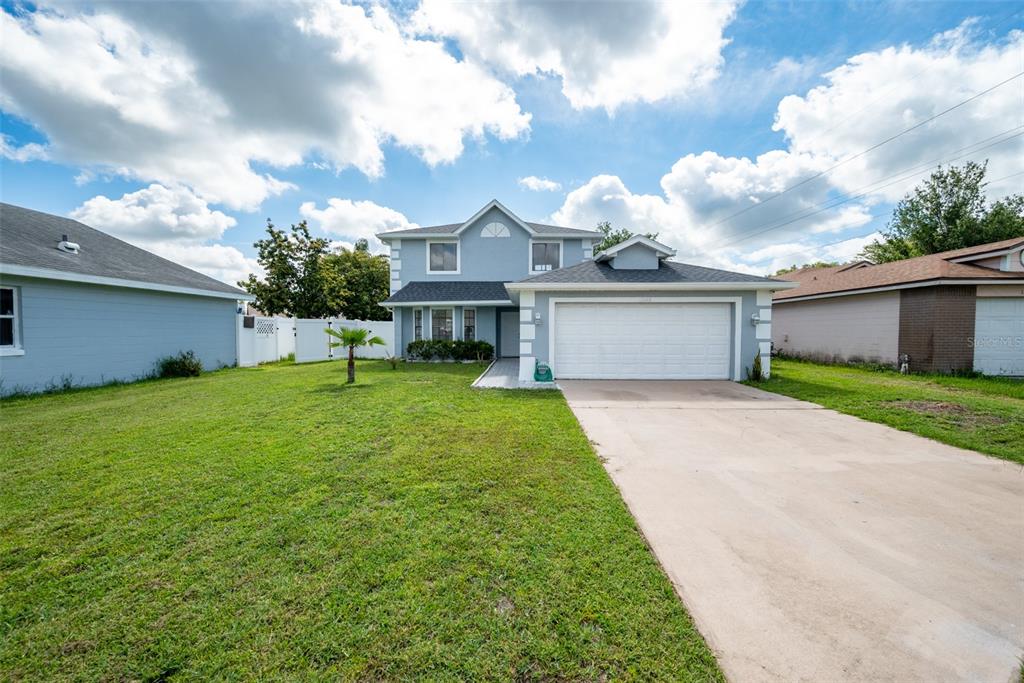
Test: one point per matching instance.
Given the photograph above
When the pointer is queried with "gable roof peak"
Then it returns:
(495, 204)
(662, 250)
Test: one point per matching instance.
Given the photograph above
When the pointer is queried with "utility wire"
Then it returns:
(856, 237)
(871, 187)
(869, 149)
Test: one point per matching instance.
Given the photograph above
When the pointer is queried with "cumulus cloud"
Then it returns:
(211, 96)
(29, 152)
(606, 54)
(535, 184)
(171, 222)
(732, 211)
(875, 95)
(355, 220)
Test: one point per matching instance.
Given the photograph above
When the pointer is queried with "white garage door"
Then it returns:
(999, 336)
(642, 341)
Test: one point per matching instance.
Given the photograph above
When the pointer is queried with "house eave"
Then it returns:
(424, 304)
(67, 276)
(934, 282)
(647, 286)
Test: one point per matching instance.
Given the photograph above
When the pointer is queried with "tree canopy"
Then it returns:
(815, 264)
(948, 211)
(305, 278)
(613, 236)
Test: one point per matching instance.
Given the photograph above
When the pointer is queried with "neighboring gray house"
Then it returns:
(946, 312)
(538, 293)
(80, 307)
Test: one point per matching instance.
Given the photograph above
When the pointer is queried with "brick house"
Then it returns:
(953, 311)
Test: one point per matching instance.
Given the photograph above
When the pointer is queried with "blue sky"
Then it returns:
(654, 118)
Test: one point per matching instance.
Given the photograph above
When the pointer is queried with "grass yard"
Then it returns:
(982, 414)
(276, 523)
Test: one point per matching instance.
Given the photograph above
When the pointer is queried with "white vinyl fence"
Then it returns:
(262, 340)
(313, 344)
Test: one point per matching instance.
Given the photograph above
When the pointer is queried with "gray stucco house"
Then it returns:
(80, 307)
(540, 294)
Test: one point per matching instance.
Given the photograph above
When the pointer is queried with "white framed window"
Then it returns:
(469, 324)
(10, 342)
(545, 256)
(441, 323)
(417, 324)
(443, 258)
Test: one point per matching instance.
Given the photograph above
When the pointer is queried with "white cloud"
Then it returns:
(607, 54)
(535, 184)
(355, 220)
(875, 95)
(732, 212)
(28, 152)
(207, 95)
(173, 223)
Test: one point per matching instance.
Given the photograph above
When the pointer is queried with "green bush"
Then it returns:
(185, 364)
(443, 349)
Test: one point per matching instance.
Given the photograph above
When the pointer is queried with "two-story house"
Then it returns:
(539, 293)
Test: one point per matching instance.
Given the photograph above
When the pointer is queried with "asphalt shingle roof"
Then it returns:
(920, 269)
(449, 291)
(668, 272)
(450, 228)
(29, 238)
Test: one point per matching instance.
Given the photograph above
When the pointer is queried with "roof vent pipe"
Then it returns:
(69, 247)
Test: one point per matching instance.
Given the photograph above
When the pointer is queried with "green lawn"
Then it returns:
(276, 523)
(983, 414)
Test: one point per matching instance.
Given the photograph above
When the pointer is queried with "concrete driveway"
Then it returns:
(813, 546)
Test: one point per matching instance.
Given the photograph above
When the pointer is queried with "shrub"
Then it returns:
(443, 349)
(756, 373)
(185, 364)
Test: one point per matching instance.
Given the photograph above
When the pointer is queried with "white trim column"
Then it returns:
(527, 335)
(764, 330)
(395, 253)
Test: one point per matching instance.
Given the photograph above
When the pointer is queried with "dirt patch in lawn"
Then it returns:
(954, 412)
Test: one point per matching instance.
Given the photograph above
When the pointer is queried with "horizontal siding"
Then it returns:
(94, 334)
(863, 327)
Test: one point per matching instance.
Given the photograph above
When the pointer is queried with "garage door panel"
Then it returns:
(643, 340)
(999, 336)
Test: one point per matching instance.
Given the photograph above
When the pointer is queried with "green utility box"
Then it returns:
(542, 373)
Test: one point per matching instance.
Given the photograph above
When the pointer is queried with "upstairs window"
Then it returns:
(545, 256)
(8, 317)
(442, 257)
(469, 324)
(417, 324)
(441, 323)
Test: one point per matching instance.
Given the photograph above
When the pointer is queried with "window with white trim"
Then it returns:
(441, 323)
(417, 324)
(442, 257)
(545, 256)
(469, 324)
(8, 317)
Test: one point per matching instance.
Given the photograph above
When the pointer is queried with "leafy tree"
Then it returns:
(298, 282)
(948, 211)
(816, 264)
(613, 236)
(365, 279)
(353, 337)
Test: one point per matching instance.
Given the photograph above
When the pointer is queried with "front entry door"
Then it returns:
(510, 334)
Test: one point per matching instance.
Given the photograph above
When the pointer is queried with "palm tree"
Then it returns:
(353, 337)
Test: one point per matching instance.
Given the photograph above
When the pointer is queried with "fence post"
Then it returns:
(330, 349)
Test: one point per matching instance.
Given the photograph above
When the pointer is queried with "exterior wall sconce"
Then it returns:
(537, 319)
(755, 319)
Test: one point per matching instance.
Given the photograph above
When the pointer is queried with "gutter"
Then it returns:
(647, 286)
(66, 276)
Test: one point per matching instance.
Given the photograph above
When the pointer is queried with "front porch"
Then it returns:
(503, 373)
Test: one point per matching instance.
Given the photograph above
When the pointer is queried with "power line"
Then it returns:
(869, 149)
(856, 237)
(871, 188)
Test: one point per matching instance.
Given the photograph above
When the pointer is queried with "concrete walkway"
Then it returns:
(504, 374)
(813, 546)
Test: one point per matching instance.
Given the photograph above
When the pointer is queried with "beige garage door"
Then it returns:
(642, 340)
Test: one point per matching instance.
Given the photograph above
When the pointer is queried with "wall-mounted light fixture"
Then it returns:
(536, 319)
(755, 319)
